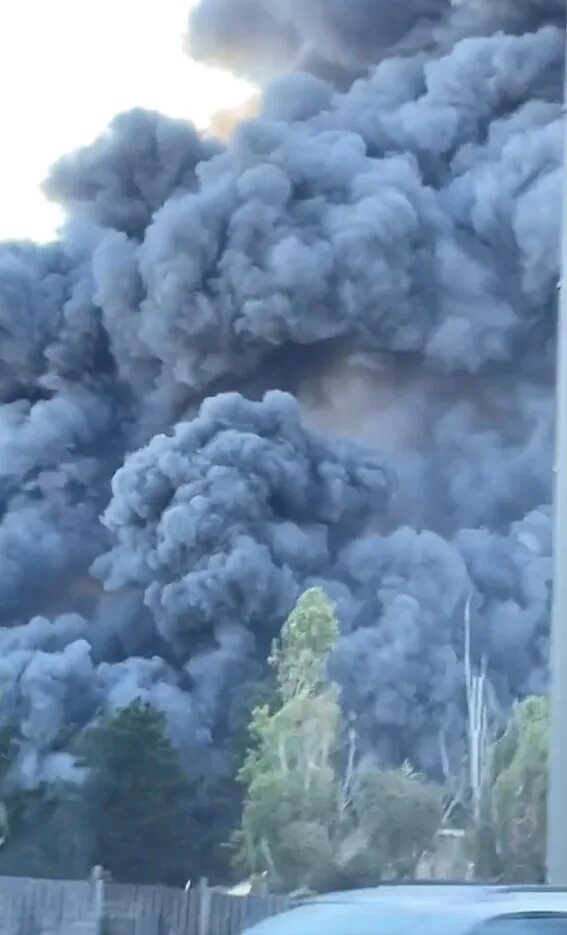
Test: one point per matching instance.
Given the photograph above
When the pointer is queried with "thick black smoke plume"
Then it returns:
(344, 38)
(381, 243)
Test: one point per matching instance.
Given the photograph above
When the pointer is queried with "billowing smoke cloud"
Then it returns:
(222, 521)
(262, 36)
(120, 181)
(340, 216)
(343, 38)
(381, 243)
(403, 676)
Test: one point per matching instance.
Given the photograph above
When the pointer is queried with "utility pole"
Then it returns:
(557, 796)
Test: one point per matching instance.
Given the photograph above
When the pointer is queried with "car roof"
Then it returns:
(467, 893)
(455, 909)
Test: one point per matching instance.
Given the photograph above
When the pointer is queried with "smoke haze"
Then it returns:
(319, 353)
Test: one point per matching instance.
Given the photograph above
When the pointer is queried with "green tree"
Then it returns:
(510, 842)
(519, 798)
(392, 817)
(43, 832)
(291, 787)
(308, 637)
(50, 834)
(139, 797)
(305, 822)
(260, 693)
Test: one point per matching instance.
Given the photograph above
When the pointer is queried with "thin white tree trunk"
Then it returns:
(477, 720)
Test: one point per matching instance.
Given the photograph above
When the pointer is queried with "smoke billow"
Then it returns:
(342, 39)
(221, 521)
(120, 181)
(381, 243)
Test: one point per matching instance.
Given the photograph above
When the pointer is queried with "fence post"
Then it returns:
(204, 907)
(98, 882)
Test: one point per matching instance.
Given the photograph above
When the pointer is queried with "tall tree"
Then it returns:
(43, 831)
(519, 798)
(391, 820)
(292, 791)
(139, 797)
(511, 837)
(307, 822)
(260, 693)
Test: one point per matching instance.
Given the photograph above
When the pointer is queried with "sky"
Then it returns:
(67, 67)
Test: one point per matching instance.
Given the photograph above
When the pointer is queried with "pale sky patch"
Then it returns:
(67, 67)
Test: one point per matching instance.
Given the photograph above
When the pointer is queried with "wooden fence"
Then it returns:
(46, 907)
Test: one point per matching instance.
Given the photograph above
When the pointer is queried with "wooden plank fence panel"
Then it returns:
(39, 907)
(51, 907)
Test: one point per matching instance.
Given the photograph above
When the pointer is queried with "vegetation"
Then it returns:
(305, 823)
(311, 813)
(392, 817)
(510, 838)
(139, 798)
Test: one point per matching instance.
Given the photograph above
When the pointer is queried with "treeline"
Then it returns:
(303, 810)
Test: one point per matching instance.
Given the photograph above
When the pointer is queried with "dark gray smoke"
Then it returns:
(261, 37)
(221, 522)
(382, 244)
(120, 181)
(344, 38)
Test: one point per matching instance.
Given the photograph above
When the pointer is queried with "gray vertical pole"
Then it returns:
(204, 907)
(98, 881)
(557, 798)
